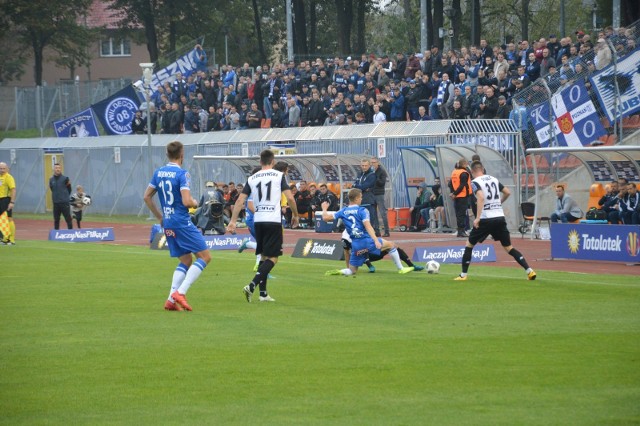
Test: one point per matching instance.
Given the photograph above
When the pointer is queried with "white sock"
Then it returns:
(347, 271)
(258, 258)
(396, 258)
(252, 245)
(178, 277)
(528, 270)
(192, 274)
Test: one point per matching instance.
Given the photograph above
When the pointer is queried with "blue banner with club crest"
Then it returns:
(81, 125)
(574, 118)
(117, 111)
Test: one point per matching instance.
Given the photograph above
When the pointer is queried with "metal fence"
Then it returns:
(37, 107)
(114, 169)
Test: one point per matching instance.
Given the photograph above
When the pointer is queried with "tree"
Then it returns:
(12, 64)
(43, 23)
(344, 15)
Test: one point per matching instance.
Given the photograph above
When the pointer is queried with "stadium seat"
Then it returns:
(632, 122)
(528, 213)
(265, 123)
(570, 162)
(611, 140)
(595, 193)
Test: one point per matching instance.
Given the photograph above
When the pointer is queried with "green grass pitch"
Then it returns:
(84, 339)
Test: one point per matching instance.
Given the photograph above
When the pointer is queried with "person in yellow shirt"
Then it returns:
(7, 202)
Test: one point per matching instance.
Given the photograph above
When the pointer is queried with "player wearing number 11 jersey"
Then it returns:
(265, 189)
(172, 183)
(490, 219)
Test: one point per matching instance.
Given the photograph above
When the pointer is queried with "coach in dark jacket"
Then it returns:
(366, 182)
(378, 192)
(60, 186)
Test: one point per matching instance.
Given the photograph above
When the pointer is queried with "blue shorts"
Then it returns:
(183, 241)
(360, 250)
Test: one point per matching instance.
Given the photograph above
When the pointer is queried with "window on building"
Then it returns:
(115, 47)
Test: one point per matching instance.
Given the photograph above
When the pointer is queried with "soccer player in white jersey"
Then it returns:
(364, 242)
(265, 188)
(490, 219)
(172, 183)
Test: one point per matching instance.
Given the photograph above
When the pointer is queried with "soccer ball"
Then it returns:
(86, 201)
(433, 267)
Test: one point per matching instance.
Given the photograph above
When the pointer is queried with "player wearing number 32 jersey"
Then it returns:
(490, 219)
(265, 189)
(172, 184)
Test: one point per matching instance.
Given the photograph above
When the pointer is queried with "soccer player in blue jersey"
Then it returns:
(248, 220)
(172, 183)
(363, 238)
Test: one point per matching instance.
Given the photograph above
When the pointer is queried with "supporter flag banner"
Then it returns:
(117, 111)
(81, 125)
(82, 235)
(575, 119)
(627, 73)
(453, 254)
(214, 242)
(319, 249)
(615, 243)
(186, 64)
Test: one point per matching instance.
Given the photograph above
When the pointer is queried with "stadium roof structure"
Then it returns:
(326, 167)
(607, 158)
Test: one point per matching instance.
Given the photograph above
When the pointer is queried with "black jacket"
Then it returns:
(381, 181)
(60, 189)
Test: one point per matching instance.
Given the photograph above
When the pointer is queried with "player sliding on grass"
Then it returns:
(490, 219)
(346, 245)
(172, 183)
(364, 242)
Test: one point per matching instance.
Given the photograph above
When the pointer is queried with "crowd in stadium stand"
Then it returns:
(471, 82)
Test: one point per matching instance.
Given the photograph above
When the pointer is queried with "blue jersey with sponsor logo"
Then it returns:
(353, 218)
(168, 181)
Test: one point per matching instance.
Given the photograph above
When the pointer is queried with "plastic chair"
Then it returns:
(528, 214)
(595, 193)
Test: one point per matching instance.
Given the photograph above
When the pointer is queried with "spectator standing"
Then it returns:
(293, 119)
(60, 186)
(7, 203)
(379, 195)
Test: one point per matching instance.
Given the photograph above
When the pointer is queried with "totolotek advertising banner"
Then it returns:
(319, 249)
(453, 254)
(81, 125)
(117, 111)
(82, 235)
(614, 243)
(214, 242)
(627, 74)
(575, 118)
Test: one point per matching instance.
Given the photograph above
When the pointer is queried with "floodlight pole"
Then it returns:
(147, 73)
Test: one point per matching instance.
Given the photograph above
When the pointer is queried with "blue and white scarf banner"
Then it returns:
(628, 75)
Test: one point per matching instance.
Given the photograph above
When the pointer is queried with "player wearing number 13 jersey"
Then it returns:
(265, 189)
(172, 183)
(490, 219)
